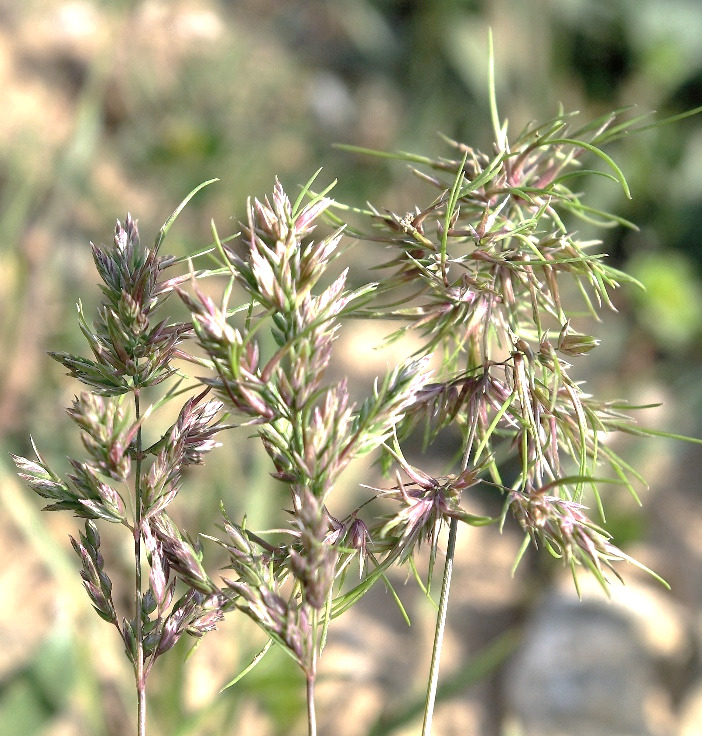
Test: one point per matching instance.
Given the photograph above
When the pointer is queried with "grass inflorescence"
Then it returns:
(481, 273)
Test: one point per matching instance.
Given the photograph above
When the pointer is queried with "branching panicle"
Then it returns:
(130, 353)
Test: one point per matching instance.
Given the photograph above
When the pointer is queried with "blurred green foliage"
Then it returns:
(128, 106)
(670, 306)
(40, 689)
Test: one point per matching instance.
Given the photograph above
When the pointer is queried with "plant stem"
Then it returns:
(440, 627)
(311, 673)
(311, 715)
(138, 511)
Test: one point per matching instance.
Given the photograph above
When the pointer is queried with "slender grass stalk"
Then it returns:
(138, 594)
(440, 628)
(441, 614)
(311, 708)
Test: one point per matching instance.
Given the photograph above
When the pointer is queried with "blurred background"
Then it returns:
(125, 106)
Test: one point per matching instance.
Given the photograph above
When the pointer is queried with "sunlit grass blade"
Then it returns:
(249, 666)
(169, 222)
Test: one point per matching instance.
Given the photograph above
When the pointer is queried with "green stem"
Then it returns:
(311, 715)
(440, 628)
(138, 513)
(311, 673)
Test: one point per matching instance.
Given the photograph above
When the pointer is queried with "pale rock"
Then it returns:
(591, 667)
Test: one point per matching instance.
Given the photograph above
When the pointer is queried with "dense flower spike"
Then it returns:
(107, 433)
(310, 430)
(562, 526)
(486, 282)
(258, 592)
